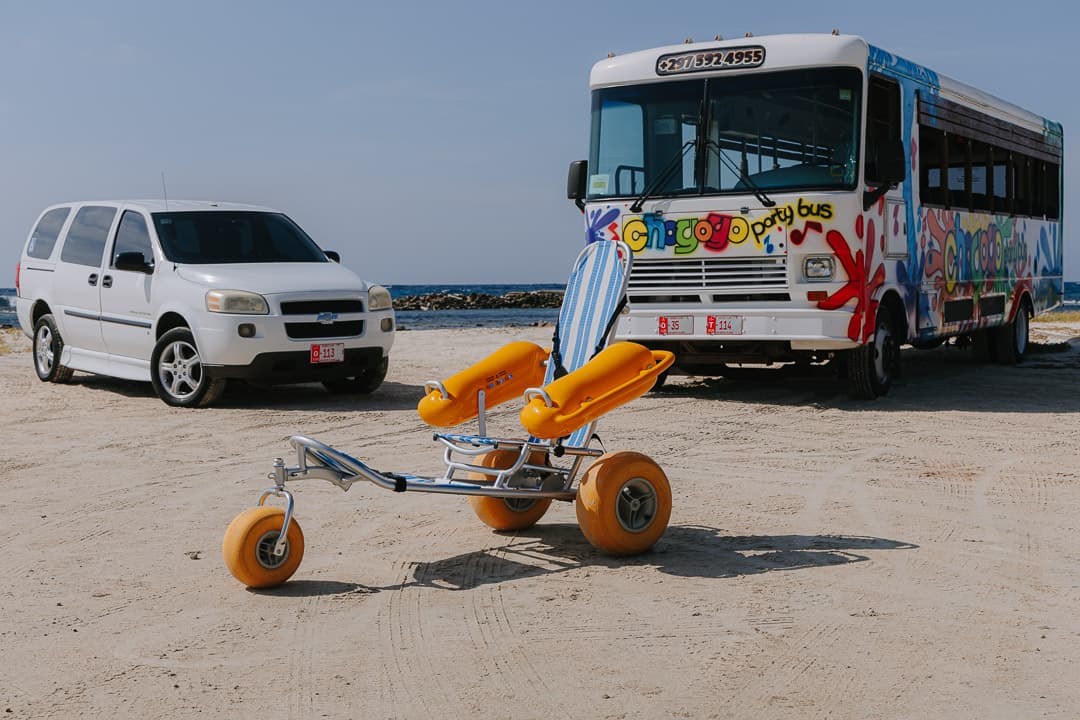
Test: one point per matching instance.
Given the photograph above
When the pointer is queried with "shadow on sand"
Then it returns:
(684, 551)
(943, 379)
(245, 396)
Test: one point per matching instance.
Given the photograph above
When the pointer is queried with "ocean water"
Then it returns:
(432, 319)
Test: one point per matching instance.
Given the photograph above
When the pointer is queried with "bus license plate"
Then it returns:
(327, 353)
(675, 325)
(724, 325)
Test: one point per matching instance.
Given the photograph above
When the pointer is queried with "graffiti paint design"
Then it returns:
(716, 232)
(865, 275)
(973, 254)
(599, 221)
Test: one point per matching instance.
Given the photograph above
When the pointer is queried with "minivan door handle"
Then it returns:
(106, 281)
(92, 279)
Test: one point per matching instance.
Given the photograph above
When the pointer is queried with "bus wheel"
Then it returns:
(1011, 339)
(873, 367)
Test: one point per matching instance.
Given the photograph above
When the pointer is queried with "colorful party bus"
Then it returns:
(812, 198)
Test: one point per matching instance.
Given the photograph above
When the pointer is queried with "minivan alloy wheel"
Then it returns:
(43, 351)
(180, 369)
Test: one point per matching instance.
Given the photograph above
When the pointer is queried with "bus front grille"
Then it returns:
(709, 279)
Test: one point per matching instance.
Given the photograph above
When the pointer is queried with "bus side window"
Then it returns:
(883, 122)
(931, 164)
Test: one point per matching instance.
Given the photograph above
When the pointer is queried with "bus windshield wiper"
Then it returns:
(663, 177)
(758, 192)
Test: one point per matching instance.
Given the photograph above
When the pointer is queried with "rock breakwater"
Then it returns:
(480, 301)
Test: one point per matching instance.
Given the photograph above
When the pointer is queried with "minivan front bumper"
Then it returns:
(295, 367)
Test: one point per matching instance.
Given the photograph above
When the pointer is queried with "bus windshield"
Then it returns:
(790, 130)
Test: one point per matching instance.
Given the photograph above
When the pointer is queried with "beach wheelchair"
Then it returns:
(623, 500)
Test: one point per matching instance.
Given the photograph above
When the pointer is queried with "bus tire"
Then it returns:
(1011, 339)
(873, 367)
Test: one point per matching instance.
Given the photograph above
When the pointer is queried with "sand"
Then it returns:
(913, 557)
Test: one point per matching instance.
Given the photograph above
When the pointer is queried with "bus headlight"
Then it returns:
(818, 268)
(236, 302)
(378, 298)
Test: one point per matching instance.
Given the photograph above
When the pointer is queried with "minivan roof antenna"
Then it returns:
(164, 191)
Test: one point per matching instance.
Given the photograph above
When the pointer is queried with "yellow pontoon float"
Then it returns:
(623, 500)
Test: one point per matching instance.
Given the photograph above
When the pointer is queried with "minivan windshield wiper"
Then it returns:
(758, 192)
(663, 177)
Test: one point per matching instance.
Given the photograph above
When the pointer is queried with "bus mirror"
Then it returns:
(575, 182)
(892, 166)
(890, 169)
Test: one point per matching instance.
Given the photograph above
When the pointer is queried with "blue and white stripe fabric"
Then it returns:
(594, 291)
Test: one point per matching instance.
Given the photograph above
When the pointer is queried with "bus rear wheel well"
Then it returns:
(1024, 304)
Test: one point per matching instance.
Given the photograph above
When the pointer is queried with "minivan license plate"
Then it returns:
(327, 353)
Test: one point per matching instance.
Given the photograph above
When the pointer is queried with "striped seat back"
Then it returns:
(594, 293)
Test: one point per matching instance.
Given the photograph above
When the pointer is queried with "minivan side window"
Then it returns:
(44, 236)
(132, 236)
(87, 235)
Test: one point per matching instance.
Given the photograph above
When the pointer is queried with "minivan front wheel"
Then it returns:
(48, 345)
(177, 373)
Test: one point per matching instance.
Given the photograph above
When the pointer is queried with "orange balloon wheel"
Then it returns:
(507, 514)
(248, 547)
(623, 503)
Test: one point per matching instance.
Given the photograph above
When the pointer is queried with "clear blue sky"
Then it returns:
(427, 141)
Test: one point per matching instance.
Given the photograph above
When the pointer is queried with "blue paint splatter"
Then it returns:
(598, 222)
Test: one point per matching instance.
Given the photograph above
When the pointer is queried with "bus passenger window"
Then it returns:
(980, 179)
(1053, 193)
(931, 159)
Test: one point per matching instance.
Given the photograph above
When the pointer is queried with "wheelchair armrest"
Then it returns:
(622, 372)
(503, 375)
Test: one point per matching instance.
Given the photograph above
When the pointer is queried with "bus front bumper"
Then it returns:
(801, 329)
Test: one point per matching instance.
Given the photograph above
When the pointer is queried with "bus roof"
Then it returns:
(809, 50)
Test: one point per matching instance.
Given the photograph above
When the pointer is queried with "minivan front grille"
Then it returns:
(314, 307)
(724, 279)
(312, 330)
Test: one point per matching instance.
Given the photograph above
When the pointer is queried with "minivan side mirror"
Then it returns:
(133, 262)
(575, 182)
(333, 255)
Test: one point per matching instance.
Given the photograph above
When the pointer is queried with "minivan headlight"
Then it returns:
(818, 268)
(236, 302)
(378, 298)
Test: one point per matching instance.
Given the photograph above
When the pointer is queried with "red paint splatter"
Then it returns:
(862, 283)
(613, 228)
(797, 236)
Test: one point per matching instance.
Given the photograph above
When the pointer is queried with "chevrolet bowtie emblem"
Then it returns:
(326, 318)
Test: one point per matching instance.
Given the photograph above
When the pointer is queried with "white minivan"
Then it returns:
(187, 295)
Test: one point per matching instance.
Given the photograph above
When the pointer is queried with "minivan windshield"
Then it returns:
(774, 131)
(224, 236)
